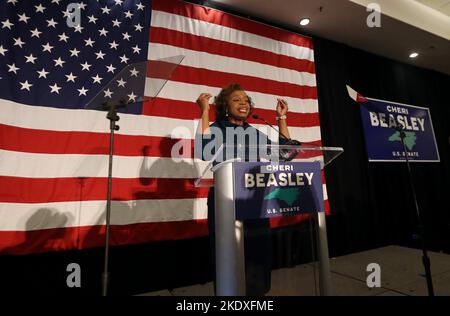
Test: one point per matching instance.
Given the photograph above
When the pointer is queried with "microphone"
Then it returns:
(257, 117)
(287, 155)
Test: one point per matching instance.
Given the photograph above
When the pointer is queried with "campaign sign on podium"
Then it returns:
(264, 190)
(265, 169)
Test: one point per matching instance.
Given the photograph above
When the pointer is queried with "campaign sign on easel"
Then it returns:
(263, 190)
(380, 119)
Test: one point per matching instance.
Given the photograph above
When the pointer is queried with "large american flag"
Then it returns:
(54, 153)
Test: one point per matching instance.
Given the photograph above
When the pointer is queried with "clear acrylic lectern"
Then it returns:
(229, 241)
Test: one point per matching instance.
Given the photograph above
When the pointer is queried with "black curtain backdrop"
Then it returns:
(371, 202)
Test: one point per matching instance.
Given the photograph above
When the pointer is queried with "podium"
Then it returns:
(225, 171)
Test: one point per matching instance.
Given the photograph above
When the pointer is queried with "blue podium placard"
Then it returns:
(383, 142)
(263, 190)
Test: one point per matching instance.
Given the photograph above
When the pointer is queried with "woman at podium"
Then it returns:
(233, 107)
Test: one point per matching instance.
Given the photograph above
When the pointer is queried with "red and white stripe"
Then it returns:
(53, 162)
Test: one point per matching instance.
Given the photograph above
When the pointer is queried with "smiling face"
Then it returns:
(238, 105)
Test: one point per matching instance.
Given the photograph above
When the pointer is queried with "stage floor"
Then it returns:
(401, 274)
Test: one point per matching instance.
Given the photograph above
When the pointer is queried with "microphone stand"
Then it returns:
(425, 258)
(257, 117)
(285, 154)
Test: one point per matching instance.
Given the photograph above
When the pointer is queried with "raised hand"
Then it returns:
(282, 107)
(203, 101)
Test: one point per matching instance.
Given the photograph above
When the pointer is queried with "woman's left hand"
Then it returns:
(282, 107)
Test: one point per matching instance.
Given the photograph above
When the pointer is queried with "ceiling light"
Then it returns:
(304, 22)
(413, 55)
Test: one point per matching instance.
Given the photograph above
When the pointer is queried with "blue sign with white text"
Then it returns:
(263, 190)
(381, 120)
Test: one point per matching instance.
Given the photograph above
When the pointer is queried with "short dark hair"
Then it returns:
(221, 100)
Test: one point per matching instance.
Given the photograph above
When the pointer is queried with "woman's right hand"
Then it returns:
(203, 101)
